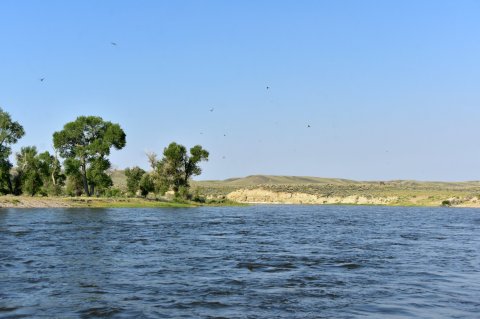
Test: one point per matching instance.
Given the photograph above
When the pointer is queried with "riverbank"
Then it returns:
(263, 189)
(242, 197)
(9, 201)
(265, 196)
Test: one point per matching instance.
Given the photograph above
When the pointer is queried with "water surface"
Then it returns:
(241, 262)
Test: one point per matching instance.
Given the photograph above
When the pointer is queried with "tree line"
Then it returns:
(84, 145)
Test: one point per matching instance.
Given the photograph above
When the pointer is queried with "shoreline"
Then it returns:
(25, 202)
(411, 199)
(10, 201)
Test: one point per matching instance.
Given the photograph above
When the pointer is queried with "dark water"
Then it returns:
(253, 262)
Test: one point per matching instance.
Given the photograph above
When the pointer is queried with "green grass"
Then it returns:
(124, 203)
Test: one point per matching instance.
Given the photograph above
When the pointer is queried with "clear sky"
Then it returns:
(390, 89)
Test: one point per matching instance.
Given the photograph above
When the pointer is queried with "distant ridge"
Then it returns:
(119, 180)
(253, 180)
(280, 180)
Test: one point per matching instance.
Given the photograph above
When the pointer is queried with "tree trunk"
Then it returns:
(53, 178)
(84, 178)
(10, 187)
(55, 168)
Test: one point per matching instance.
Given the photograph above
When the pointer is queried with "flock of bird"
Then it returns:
(211, 109)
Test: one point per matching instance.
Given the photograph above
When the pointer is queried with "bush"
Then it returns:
(446, 203)
(183, 193)
(113, 192)
(74, 186)
(197, 198)
(146, 185)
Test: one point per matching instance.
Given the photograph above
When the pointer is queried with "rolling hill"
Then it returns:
(318, 190)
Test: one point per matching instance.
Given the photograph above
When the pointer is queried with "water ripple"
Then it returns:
(247, 262)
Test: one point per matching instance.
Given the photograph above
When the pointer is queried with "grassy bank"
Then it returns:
(93, 202)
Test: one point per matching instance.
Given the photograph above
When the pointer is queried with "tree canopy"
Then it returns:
(29, 170)
(85, 143)
(10, 133)
(177, 167)
(134, 176)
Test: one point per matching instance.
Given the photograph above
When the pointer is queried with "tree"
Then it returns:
(159, 184)
(10, 133)
(134, 176)
(74, 183)
(51, 172)
(177, 167)
(146, 185)
(85, 144)
(152, 159)
(98, 180)
(28, 169)
(37, 173)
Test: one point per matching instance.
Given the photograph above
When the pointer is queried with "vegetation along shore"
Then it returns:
(80, 168)
(262, 189)
(79, 174)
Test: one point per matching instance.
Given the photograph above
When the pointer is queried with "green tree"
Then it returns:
(177, 167)
(28, 169)
(86, 143)
(51, 172)
(98, 179)
(146, 185)
(160, 185)
(10, 133)
(134, 176)
(74, 182)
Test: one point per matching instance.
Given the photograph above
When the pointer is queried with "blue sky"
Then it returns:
(390, 89)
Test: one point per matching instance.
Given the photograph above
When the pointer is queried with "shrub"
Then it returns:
(113, 192)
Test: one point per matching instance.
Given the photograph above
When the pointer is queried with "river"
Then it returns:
(240, 262)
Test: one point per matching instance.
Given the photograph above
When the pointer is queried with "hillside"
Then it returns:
(318, 190)
(277, 180)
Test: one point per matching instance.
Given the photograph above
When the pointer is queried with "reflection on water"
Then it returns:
(246, 262)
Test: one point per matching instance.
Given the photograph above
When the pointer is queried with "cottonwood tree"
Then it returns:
(37, 173)
(139, 180)
(10, 133)
(51, 172)
(28, 170)
(74, 182)
(134, 176)
(159, 185)
(97, 175)
(85, 144)
(146, 185)
(177, 167)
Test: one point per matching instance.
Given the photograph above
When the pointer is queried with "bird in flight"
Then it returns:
(268, 88)
(308, 125)
(41, 79)
(113, 43)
